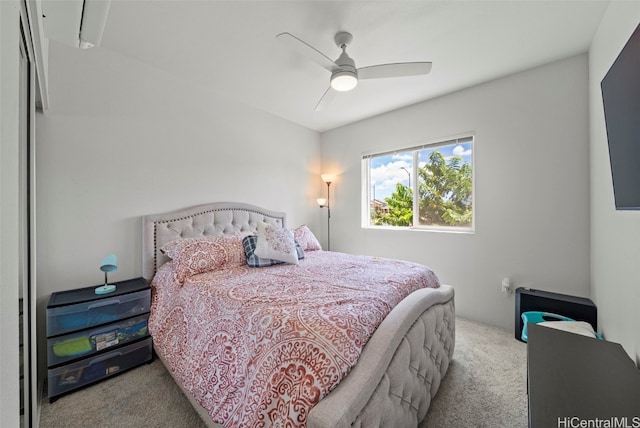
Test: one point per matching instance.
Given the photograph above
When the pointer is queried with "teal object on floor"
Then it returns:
(535, 317)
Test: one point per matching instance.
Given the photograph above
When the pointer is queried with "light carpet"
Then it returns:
(485, 386)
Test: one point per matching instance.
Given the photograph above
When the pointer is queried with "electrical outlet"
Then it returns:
(506, 285)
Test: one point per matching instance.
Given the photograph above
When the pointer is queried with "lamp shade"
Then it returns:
(109, 263)
(328, 178)
(322, 202)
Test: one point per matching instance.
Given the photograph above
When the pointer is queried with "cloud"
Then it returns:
(460, 151)
(385, 177)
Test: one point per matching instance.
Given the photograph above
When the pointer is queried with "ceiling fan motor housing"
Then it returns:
(344, 78)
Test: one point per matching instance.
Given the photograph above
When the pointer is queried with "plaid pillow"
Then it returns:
(249, 244)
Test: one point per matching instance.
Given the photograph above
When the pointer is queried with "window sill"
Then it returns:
(462, 231)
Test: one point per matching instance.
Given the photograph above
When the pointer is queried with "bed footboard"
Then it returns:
(400, 369)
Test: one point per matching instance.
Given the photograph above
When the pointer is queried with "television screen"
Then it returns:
(621, 98)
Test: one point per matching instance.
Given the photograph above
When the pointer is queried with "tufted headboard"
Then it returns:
(216, 218)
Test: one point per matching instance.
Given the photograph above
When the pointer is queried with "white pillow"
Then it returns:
(578, 327)
(276, 243)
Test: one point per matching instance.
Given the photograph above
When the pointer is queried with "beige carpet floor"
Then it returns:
(484, 387)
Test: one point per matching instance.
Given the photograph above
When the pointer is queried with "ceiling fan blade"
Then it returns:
(326, 99)
(399, 69)
(308, 51)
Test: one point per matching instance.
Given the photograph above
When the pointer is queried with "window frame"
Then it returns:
(468, 137)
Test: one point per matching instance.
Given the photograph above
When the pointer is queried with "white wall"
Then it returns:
(531, 194)
(122, 139)
(615, 235)
(9, 222)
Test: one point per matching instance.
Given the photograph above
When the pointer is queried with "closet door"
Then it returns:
(17, 293)
(26, 183)
(23, 288)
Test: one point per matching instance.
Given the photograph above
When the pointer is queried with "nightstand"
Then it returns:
(91, 337)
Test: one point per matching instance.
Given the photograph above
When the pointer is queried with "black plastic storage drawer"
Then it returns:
(577, 308)
(65, 319)
(72, 376)
(83, 344)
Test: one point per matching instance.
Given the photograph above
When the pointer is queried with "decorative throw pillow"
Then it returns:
(249, 243)
(276, 243)
(203, 254)
(306, 238)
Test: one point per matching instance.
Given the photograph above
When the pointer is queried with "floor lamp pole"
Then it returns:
(328, 219)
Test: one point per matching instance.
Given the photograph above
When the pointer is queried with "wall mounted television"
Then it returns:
(621, 99)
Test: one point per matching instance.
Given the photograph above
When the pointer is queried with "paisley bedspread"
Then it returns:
(261, 346)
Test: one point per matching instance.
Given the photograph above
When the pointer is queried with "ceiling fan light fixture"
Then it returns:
(344, 81)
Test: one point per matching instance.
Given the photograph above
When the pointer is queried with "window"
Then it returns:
(424, 187)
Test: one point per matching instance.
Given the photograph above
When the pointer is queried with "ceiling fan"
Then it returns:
(344, 74)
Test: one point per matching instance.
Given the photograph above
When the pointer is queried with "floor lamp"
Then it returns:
(324, 203)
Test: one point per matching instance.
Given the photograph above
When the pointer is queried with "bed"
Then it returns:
(384, 372)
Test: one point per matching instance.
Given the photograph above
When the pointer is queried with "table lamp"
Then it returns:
(109, 264)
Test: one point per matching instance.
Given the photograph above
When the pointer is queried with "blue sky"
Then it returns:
(388, 170)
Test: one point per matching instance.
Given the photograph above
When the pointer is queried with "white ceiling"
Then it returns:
(230, 47)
